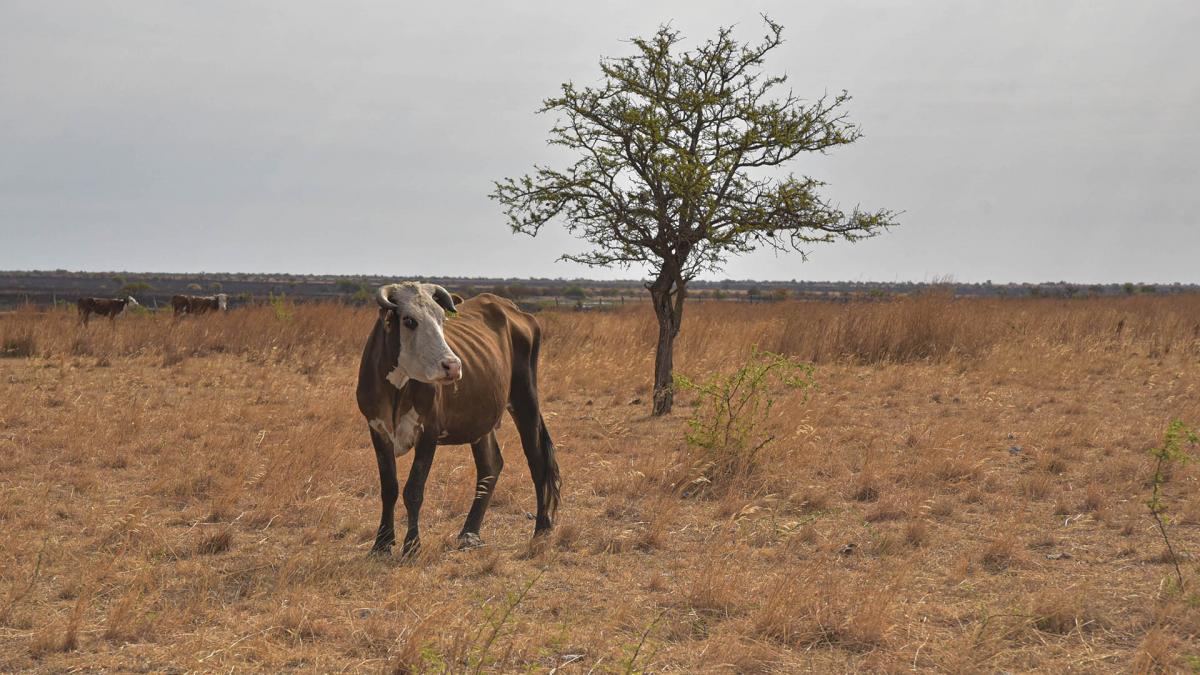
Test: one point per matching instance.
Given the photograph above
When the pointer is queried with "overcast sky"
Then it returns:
(1024, 141)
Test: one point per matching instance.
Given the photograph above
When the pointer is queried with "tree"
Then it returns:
(674, 150)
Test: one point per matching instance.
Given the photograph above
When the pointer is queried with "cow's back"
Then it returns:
(482, 335)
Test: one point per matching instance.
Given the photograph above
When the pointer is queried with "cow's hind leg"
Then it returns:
(389, 490)
(488, 464)
(539, 452)
(414, 491)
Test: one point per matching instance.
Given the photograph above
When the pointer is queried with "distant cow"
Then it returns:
(421, 386)
(109, 307)
(198, 304)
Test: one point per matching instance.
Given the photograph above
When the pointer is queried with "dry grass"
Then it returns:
(963, 491)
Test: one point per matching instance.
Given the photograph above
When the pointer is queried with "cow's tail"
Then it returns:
(552, 479)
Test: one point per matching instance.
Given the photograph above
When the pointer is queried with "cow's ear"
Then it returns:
(446, 301)
(458, 299)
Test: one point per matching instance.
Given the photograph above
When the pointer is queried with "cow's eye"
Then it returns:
(409, 323)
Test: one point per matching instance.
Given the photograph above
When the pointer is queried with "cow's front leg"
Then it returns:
(414, 491)
(389, 489)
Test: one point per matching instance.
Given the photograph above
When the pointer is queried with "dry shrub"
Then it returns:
(1094, 499)
(1064, 611)
(1158, 653)
(865, 488)
(1037, 486)
(999, 553)
(566, 536)
(408, 649)
(715, 589)
(19, 345)
(819, 607)
(130, 618)
(886, 509)
(916, 533)
(298, 623)
(216, 542)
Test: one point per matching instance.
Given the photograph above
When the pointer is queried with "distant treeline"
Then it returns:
(151, 289)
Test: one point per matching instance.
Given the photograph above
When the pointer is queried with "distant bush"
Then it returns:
(575, 292)
(134, 287)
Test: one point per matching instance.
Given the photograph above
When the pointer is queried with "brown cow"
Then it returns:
(419, 386)
(198, 304)
(109, 307)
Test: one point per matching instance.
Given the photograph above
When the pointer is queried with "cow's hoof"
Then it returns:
(380, 551)
(468, 541)
(411, 548)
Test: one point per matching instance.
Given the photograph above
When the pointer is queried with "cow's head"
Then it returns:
(130, 302)
(222, 300)
(414, 314)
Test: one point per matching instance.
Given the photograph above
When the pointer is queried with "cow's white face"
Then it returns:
(424, 354)
(222, 299)
(132, 303)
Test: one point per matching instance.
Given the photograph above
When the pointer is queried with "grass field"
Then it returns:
(963, 491)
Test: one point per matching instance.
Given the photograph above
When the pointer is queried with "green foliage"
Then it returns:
(348, 285)
(134, 287)
(1170, 452)
(363, 295)
(284, 310)
(728, 429)
(575, 292)
(477, 644)
(670, 144)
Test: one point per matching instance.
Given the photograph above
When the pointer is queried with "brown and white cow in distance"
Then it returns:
(109, 307)
(426, 380)
(199, 304)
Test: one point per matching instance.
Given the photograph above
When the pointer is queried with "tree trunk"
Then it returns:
(667, 294)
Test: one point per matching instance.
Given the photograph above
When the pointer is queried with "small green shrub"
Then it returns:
(284, 310)
(728, 430)
(1171, 452)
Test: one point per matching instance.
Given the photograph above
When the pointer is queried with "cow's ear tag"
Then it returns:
(387, 320)
(452, 312)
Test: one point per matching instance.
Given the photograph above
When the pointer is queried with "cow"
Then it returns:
(198, 304)
(109, 307)
(426, 380)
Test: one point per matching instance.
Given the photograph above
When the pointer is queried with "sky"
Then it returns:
(1037, 140)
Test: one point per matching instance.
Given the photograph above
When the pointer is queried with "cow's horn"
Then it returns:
(382, 298)
(442, 297)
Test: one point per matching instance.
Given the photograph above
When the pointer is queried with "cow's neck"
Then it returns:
(411, 394)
